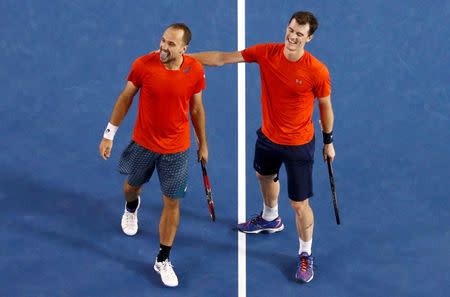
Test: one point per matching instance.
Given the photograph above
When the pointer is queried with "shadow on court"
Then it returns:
(63, 224)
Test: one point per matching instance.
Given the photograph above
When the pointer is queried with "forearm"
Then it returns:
(326, 117)
(120, 110)
(199, 123)
(212, 58)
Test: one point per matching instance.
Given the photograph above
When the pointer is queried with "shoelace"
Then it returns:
(255, 218)
(129, 216)
(304, 263)
(168, 267)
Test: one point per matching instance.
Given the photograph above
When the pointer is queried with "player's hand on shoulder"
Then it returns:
(105, 148)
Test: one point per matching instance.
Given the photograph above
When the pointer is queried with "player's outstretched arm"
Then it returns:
(216, 58)
(120, 110)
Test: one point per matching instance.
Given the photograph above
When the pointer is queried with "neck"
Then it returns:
(174, 64)
(293, 56)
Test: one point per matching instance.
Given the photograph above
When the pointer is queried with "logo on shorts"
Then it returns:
(298, 81)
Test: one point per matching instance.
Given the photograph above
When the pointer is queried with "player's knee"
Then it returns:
(300, 207)
(171, 203)
(131, 190)
(266, 178)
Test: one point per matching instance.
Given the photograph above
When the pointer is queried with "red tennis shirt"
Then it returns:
(288, 90)
(162, 123)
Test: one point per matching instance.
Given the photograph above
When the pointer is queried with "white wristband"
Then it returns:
(110, 131)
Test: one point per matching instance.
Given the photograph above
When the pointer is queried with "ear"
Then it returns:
(309, 38)
(183, 49)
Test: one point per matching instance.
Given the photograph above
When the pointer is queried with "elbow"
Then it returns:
(219, 63)
(197, 113)
(220, 60)
(193, 112)
(125, 101)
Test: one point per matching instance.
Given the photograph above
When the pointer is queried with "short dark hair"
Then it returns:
(187, 35)
(306, 17)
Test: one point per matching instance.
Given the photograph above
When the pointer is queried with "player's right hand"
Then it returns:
(105, 148)
(202, 153)
(328, 152)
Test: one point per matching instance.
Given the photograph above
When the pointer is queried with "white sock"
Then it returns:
(270, 214)
(305, 246)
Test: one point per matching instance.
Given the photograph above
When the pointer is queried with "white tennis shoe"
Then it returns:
(165, 269)
(130, 220)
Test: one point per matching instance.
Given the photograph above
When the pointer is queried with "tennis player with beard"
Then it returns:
(170, 85)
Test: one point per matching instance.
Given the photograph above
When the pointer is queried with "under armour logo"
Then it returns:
(298, 81)
(187, 69)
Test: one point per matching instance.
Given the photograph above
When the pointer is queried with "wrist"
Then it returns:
(110, 131)
(327, 137)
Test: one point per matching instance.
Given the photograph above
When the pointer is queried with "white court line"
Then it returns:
(242, 279)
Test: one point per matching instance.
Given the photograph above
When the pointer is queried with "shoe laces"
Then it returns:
(255, 218)
(167, 266)
(129, 216)
(304, 263)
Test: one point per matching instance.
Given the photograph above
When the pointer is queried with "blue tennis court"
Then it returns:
(65, 62)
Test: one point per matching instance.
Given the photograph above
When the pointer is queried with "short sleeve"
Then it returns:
(254, 53)
(322, 87)
(136, 73)
(201, 81)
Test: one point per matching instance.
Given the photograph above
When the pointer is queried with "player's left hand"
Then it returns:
(202, 153)
(328, 152)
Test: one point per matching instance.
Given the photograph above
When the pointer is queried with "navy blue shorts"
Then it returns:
(139, 164)
(297, 159)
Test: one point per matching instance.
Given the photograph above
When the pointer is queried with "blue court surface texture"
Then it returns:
(63, 64)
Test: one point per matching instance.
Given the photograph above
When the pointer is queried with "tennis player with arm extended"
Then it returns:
(291, 79)
(170, 85)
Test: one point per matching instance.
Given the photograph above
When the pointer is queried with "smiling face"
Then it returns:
(296, 37)
(172, 45)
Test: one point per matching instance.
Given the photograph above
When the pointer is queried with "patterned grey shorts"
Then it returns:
(139, 163)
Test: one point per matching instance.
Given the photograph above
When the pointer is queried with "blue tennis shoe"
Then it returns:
(257, 224)
(305, 270)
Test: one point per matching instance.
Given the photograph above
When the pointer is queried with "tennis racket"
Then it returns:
(209, 198)
(333, 191)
